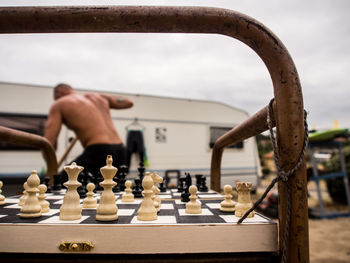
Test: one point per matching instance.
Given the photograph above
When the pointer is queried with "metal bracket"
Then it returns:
(76, 246)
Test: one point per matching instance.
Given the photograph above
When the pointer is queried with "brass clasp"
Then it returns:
(76, 246)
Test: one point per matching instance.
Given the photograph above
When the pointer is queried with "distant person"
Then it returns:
(88, 115)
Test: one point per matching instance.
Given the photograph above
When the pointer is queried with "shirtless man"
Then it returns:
(89, 117)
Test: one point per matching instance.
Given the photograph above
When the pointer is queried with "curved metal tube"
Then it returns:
(33, 140)
(256, 124)
(287, 90)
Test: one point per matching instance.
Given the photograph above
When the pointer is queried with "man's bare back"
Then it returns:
(87, 115)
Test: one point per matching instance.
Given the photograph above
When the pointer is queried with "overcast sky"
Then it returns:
(210, 67)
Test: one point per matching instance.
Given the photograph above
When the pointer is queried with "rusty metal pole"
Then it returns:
(254, 125)
(287, 89)
(35, 141)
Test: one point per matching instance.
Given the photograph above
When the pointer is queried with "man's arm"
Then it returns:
(118, 102)
(53, 125)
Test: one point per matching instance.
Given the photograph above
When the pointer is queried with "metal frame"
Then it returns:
(289, 108)
(32, 140)
(323, 213)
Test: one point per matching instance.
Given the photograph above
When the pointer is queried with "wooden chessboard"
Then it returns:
(174, 231)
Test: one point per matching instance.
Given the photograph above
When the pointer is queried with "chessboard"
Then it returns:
(173, 232)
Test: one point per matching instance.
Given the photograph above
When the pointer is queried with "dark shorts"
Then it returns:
(134, 142)
(94, 157)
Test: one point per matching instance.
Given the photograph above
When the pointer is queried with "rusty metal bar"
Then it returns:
(255, 125)
(287, 89)
(35, 141)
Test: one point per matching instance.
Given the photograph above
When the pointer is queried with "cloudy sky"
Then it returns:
(210, 67)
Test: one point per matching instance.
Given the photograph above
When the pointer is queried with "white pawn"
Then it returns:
(90, 201)
(32, 207)
(24, 196)
(45, 205)
(193, 206)
(147, 211)
(71, 208)
(227, 205)
(128, 196)
(2, 198)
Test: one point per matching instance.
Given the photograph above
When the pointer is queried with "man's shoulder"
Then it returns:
(95, 95)
(62, 102)
(91, 93)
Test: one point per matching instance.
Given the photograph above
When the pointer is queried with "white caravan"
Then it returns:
(178, 134)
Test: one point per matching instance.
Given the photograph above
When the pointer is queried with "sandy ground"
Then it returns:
(329, 239)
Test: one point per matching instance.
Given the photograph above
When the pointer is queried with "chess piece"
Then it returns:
(71, 208)
(156, 199)
(141, 170)
(46, 182)
(203, 186)
(185, 196)
(90, 201)
(180, 184)
(24, 196)
(45, 205)
(162, 187)
(244, 199)
(57, 180)
(107, 209)
(137, 192)
(97, 181)
(198, 180)
(31, 207)
(128, 196)
(166, 182)
(147, 211)
(228, 205)
(122, 174)
(193, 206)
(82, 178)
(2, 198)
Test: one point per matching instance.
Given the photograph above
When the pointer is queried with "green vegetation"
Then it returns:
(335, 186)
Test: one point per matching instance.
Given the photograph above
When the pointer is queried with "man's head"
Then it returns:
(62, 90)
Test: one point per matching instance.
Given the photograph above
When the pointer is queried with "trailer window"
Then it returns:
(216, 132)
(24, 122)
